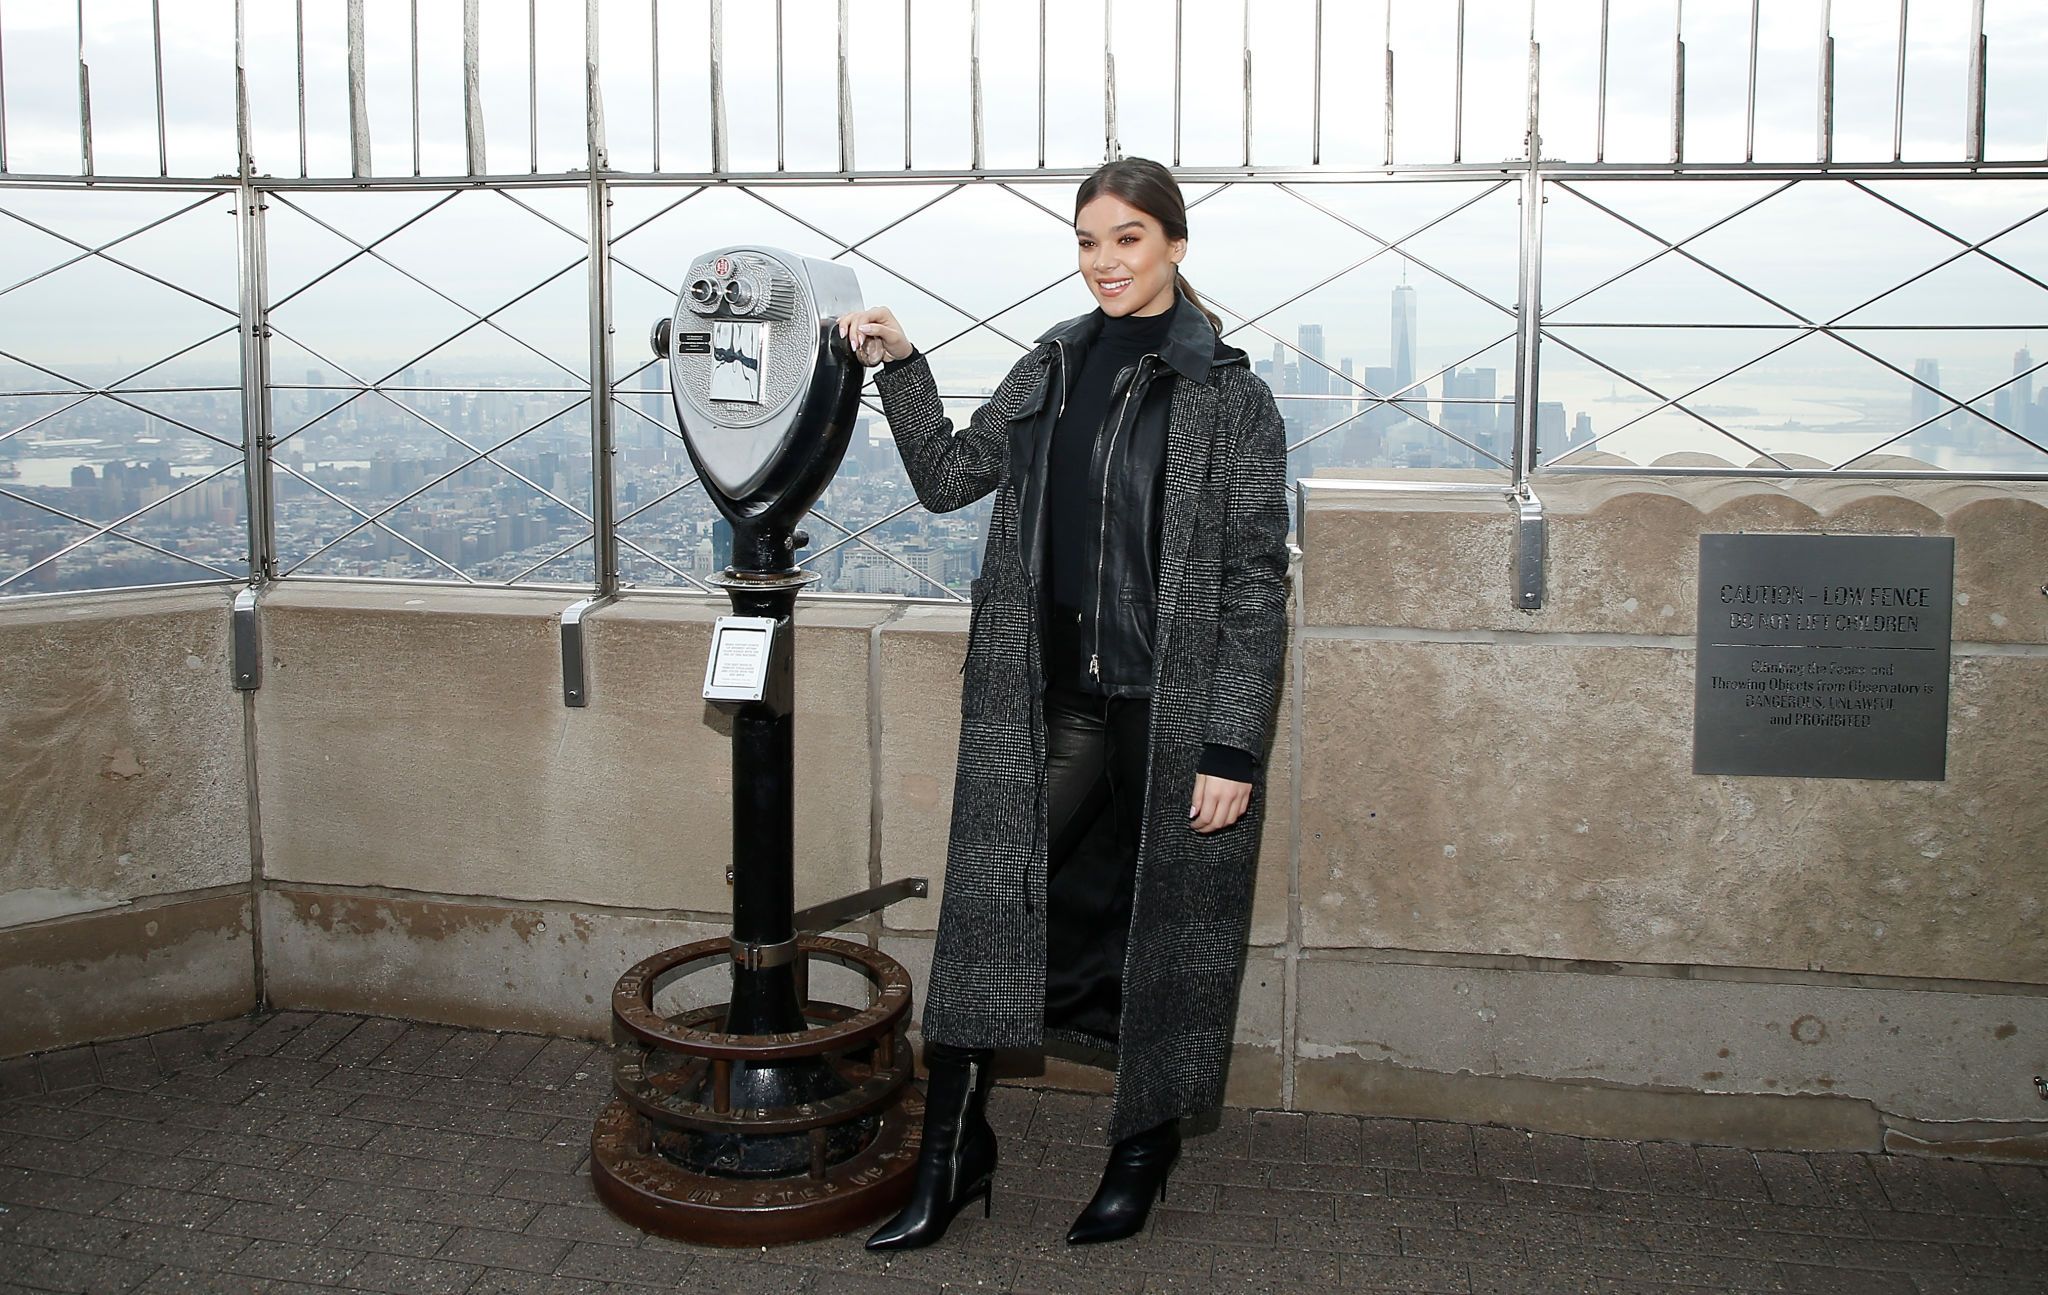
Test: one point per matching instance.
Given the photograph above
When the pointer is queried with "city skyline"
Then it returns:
(520, 513)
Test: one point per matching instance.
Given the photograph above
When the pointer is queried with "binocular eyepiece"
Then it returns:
(764, 392)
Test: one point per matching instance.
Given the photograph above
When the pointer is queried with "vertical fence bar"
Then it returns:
(1973, 107)
(84, 100)
(255, 339)
(1315, 130)
(472, 88)
(532, 89)
(974, 143)
(654, 70)
(1899, 90)
(1111, 149)
(718, 85)
(1529, 316)
(781, 95)
(603, 511)
(1041, 85)
(1389, 42)
(1247, 45)
(1458, 91)
(1600, 97)
(1824, 145)
(242, 101)
(156, 33)
(253, 288)
(244, 163)
(358, 94)
(3, 82)
(299, 36)
(906, 85)
(846, 151)
(415, 29)
(1179, 21)
(1749, 108)
(1678, 83)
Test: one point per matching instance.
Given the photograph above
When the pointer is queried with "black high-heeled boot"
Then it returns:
(1133, 1179)
(958, 1157)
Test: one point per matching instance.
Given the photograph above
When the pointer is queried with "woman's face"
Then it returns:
(1126, 258)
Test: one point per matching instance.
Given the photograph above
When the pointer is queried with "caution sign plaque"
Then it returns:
(1823, 656)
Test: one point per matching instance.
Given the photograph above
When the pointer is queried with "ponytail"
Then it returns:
(1188, 290)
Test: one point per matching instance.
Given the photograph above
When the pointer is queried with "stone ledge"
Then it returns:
(110, 975)
(1925, 1056)
(477, 965)
(1623, 553)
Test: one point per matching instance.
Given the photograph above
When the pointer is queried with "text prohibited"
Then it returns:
(1823, 656)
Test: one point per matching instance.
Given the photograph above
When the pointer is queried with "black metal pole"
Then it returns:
(764, 998)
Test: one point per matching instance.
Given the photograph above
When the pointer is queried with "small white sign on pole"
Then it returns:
(741, 647)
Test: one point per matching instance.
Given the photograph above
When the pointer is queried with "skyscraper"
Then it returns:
(1404, 335)
(1473, 422)
(2022, 391)
(1926, 404)
(1315, 379)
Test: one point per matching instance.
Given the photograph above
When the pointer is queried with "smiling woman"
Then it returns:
(1123, 663)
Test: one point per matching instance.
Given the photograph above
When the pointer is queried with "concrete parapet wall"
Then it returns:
(124, 818)
(1492, 887)
(1510, 794)
(121, 752)
(418, 740)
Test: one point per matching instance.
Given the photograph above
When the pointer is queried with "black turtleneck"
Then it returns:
(1073, 494)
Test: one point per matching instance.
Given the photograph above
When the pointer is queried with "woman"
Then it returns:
(1123, 661)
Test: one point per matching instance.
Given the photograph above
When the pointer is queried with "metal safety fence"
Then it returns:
(1467, 244)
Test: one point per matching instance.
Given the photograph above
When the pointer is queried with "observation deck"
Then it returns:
(316, 420)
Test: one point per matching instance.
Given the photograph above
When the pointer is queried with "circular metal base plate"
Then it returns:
(654, 1193)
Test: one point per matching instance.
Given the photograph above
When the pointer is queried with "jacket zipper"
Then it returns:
(1102, 535)
(960, 1129)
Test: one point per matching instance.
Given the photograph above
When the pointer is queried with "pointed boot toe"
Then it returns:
(957, 1161)
(1133, 1179)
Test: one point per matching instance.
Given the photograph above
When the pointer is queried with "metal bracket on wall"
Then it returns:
(838, 912)
(248, 643)
(1529, 539)
(575, 674)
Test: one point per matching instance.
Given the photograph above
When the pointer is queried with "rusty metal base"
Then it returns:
(654, 1193)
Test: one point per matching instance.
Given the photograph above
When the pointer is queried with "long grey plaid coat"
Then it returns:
(1219, 648)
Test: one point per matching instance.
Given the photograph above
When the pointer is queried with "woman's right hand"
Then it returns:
(874, 335)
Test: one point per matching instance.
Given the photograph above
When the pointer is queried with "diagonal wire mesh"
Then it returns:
(1997, 422)
(112, 472)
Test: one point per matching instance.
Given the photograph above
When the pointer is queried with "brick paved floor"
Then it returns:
(306, 1153)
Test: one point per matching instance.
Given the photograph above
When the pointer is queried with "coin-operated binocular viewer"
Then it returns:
(769, 1117)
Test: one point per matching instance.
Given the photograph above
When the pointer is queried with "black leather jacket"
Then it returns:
(1113, 630)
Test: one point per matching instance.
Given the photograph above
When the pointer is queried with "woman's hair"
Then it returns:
(1150, 188)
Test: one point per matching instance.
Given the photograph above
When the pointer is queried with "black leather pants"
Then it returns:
(1095, 771)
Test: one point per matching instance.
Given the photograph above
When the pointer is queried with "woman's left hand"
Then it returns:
(1218, 803)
